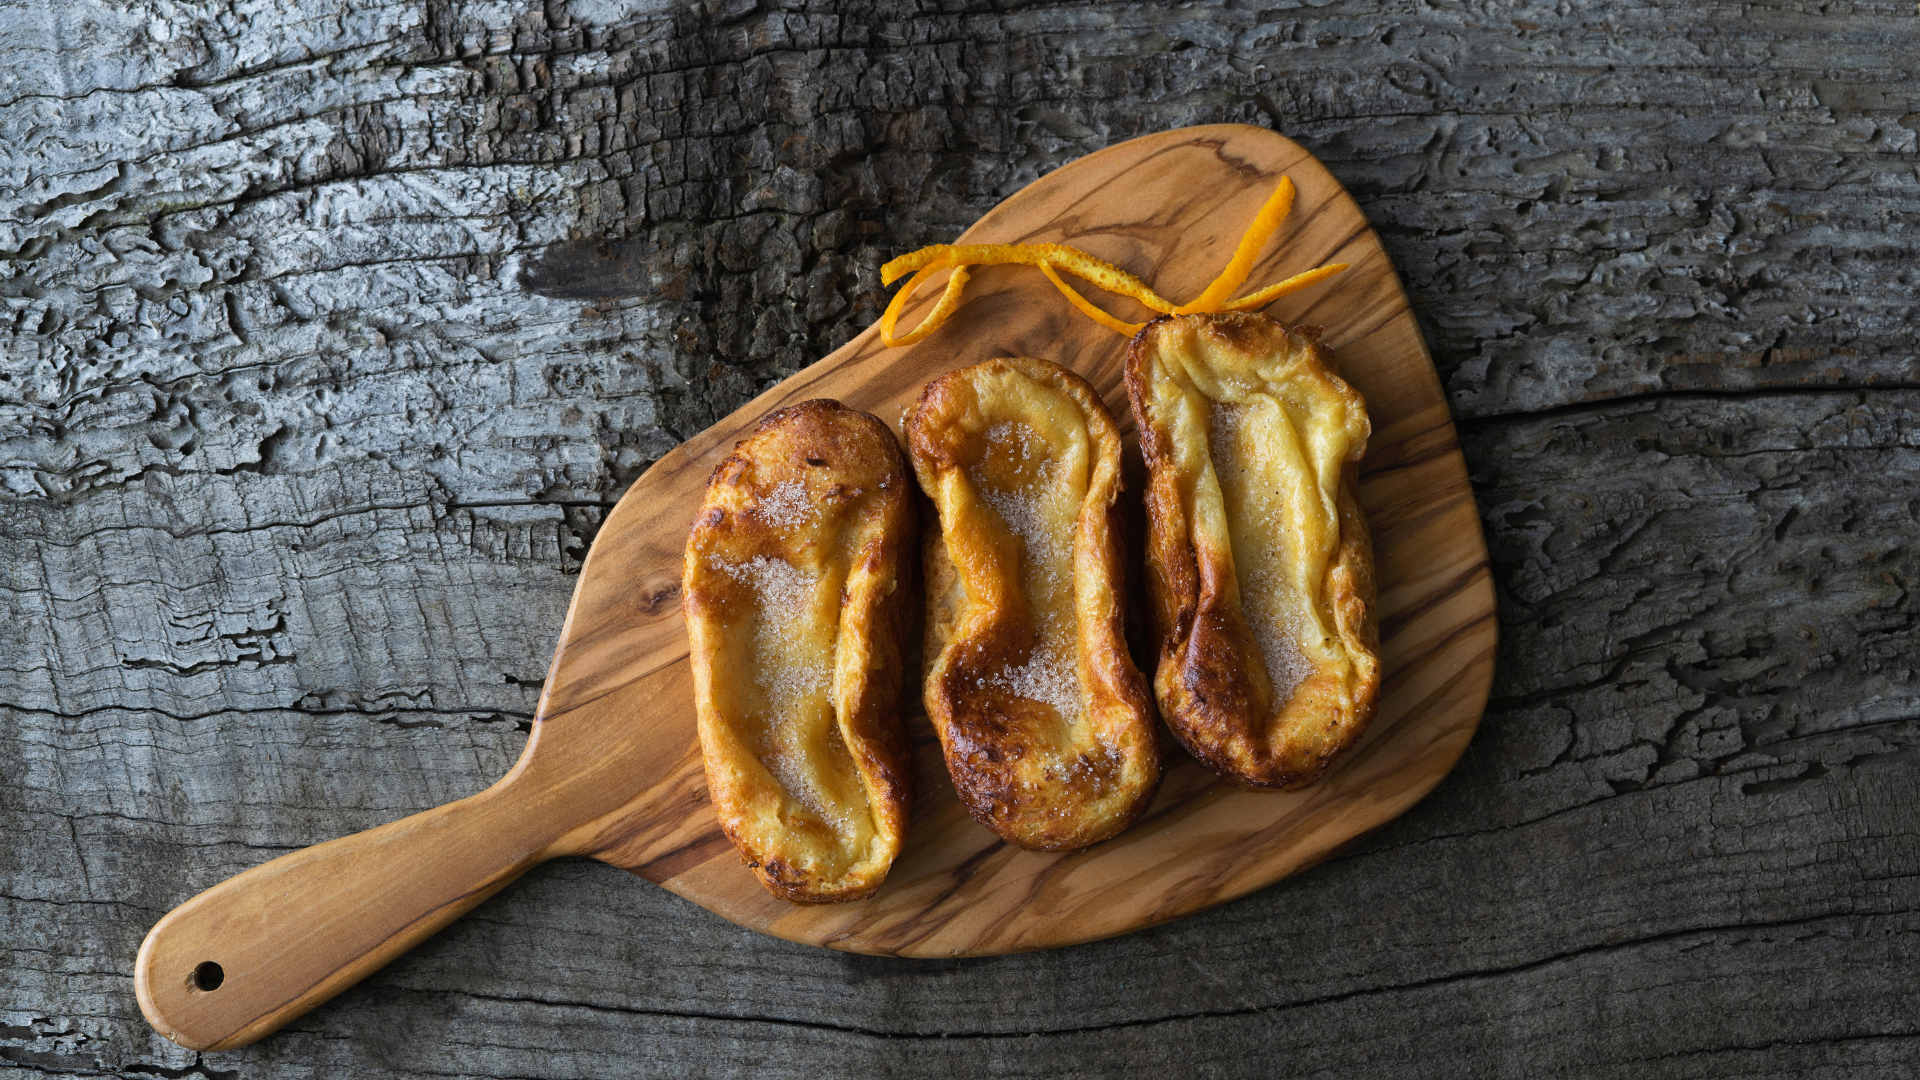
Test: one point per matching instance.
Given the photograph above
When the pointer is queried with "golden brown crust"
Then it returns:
(797, 588)
(1259, 564)
(1045, 722)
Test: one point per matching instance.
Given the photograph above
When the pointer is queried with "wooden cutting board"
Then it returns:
(612, 769)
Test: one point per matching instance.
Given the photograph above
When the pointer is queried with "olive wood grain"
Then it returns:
(613, 770)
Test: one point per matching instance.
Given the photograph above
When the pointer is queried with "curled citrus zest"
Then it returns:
(892, 315)
(1086, 307)
(1281, 288)
(1054, 258)
(1265, 224)
(949, 303)
(924, 262)
(1072, 260)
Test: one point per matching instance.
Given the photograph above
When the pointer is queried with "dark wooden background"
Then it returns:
(331, 328)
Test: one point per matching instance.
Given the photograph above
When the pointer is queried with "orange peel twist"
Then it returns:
(1052, 259)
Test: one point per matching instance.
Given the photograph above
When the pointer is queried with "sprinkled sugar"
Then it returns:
(786, 505)
(1047, 678)
(792, 672)
(784, 593)
(1046, 548)
(1276, 628)
(1277, 632)
(785, 768)
(1050, 675)
(1020, 435)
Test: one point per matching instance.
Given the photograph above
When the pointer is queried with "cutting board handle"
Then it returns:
(256, 951)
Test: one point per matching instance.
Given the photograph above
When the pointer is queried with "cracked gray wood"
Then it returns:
(330, 329)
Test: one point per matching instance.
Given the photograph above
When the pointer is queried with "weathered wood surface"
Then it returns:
(329, 332)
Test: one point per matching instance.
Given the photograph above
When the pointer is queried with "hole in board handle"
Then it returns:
(208, 976)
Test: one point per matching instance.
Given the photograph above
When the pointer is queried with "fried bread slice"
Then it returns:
(797, 588)
(1045, 722)
(1259, 564)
